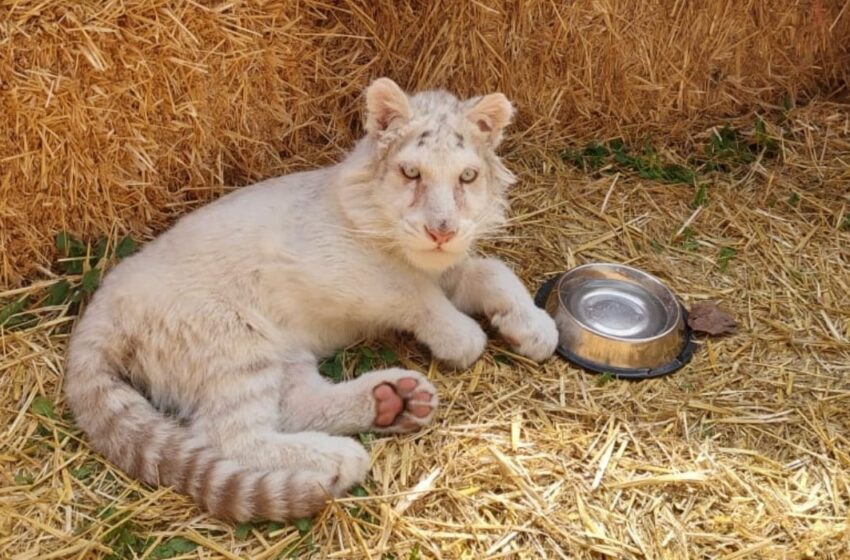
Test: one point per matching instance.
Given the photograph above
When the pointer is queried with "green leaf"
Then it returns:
(302, 548)
(501, 358)
(73, 266)
(99, 252)
(69, 246)
(106, 512)
(656, 246)
(414, 552)
(73, 250)
(23, 478)
(723, 141)
(181, 545)
(688, 240)
(572, 156)
(125, 247)
(787, 102)
(332, 368)
(390, 357)
(617, 144)
(43, 407)
(78, 250)
(273, 527)
(760, 126)
(172, 547)
(726, 255)
(303, 525)
(82, 473)
(365, 361)
(12, 309)
(604, 379)
(359, 492)
(701, 196)
(624, 159)
(63, 243)
(596, 150)
(90, 281)
(365, 437)
(846, 223)
(589, 158)
(162, 550)
(595, 154)
(20, 321)
(242, 531)
(124, 541)
(725, 145)
(57, 293)
(794, 199)
(764, 141)
(674, 173)
(690, 245)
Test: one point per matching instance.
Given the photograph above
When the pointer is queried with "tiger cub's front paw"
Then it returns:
(458, 343)
(530, 331)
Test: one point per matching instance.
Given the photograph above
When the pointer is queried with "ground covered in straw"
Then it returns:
(743, 454)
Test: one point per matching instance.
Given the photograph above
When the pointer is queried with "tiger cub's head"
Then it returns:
(435, 183)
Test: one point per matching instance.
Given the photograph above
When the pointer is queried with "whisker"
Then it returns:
(359, 231)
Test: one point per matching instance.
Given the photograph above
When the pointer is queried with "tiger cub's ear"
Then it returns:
(491, 114)
(387, 106)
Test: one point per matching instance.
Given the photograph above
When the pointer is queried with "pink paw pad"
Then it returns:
(392, 400)
(389, 405)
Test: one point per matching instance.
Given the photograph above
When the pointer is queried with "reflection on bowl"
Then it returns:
(615, 318)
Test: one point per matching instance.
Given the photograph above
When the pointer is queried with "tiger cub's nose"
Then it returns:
(440, 235)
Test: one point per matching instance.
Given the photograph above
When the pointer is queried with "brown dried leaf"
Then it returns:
(707, 317)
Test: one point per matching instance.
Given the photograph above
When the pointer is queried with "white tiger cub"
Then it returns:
(195, 365)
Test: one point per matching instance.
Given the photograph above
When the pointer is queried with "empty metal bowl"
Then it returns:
(617, 319)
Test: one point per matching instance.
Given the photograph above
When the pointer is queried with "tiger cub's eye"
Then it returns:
(469, 174)
(409, 171)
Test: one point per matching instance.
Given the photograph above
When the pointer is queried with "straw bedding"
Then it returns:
(742, 454)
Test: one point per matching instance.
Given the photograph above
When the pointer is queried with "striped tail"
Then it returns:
(122, 425)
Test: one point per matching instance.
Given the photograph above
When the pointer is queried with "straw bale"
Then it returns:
(119, 115)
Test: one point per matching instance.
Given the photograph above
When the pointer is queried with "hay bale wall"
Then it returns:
(119, 115)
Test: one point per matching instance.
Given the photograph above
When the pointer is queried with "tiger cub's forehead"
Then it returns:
(440, 137)
(440, 147)
(442, 123)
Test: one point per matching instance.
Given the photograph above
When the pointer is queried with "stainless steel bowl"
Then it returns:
(618, 319)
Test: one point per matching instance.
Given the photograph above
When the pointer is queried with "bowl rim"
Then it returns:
(673, 325)
(689, 346)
